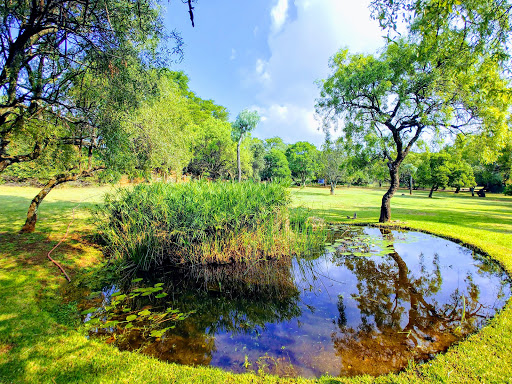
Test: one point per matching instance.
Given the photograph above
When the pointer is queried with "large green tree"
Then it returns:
(48, 47)
(396, 97)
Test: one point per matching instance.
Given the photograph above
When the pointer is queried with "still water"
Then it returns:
(373, 300)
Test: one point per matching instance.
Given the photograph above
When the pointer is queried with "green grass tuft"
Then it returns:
(200, 222)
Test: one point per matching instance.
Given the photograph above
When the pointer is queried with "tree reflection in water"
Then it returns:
(343, 312)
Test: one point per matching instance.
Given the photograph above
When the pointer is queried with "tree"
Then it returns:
(48, 46)
(275, 142)
(440, 170)
(258, 157)
(303, 160)
(163, 130)
(245, 122)
(332, 159)
(408, 90)
(276, 166)
(94, 138)
(409, 170)
(213, 150)
(434, 171)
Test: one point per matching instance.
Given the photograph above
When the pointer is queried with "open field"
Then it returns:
(39, 340)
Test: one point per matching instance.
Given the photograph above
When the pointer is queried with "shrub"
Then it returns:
(508, 190)
(201, 222)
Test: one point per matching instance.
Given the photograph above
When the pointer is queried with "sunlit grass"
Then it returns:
(39, 342)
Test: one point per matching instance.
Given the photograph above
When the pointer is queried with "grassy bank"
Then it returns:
(38, 337)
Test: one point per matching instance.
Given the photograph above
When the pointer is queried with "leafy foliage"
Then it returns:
(276, 166)
(49, 47)
(303, 160)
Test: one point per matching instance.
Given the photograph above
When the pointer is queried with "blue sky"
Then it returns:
(267, 54)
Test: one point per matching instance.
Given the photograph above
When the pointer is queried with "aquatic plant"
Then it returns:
(201, 222)
(118, 315)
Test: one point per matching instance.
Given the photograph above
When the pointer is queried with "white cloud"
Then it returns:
(305, 127)
(233, 54)
(279, 14)
(285, 81)
(262, 75)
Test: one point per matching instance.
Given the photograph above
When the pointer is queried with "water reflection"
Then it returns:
(375, 300)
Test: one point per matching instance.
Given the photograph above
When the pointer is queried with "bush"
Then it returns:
(201, 222)
(508, 190)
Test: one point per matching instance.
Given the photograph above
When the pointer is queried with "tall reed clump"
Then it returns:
(201, 222)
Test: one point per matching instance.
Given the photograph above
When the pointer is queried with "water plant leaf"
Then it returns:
(145, 312)
(131, 317)
(110, 323)
(137, 280)
(158, 332)
(88, 311)
(118, 293)
(160, 295)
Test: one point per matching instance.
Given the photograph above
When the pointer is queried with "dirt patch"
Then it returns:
(5, 348)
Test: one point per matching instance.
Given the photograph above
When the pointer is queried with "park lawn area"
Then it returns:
(40, 335)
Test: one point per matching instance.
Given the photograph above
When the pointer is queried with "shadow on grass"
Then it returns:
(14, 212)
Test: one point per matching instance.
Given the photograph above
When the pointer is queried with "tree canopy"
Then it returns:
(49, 47)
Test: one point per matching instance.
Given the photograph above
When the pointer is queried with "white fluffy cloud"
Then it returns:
(299, 54)
(279, 14)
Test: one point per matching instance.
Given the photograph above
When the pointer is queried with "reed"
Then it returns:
(201, 222)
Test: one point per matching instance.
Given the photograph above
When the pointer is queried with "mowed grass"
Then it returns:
(40, 337)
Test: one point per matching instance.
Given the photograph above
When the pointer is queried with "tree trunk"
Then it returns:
(333, 188)
(30, 222)
(238, 159)
(457, 190)
(385, 208)
(431, 191)
(410, 184)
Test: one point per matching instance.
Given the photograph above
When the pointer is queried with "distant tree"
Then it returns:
(276, 166)
(245, 122)
(461, 176)
(258, 157)
(275, 142)
(434, 171)
(303, 160)
(213, 150)
(439, 170)
(332, 159)
(409, 171)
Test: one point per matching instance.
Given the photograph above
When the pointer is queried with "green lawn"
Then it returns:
(39, 340)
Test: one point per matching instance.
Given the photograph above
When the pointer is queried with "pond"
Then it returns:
(371, 301)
